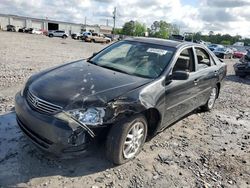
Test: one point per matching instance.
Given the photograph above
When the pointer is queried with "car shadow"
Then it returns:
(21, 161)
(234, 78)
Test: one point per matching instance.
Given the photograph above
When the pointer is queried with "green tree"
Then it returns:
(134, 28)
(118, 31)
(129, 28)
(161, 29)
(140, 29)
(226, 42)
(197, 36)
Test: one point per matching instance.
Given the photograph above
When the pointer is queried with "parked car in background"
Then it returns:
(22, 29)
(240, 52)
(76, 36)
(37, 31)
(11, 28)
(122, 95)
(112, 37)
(28, 30)
(242, 69)
(58, 33)
(96, 37)
(85, 34)
(45, 32)
(223, 53)
(212, 47)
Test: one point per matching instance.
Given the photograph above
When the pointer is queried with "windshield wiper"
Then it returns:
(90, 61)
(114, 69)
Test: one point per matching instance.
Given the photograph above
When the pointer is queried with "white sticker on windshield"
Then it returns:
(157, 51)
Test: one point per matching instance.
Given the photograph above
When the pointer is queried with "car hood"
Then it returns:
(82, 81)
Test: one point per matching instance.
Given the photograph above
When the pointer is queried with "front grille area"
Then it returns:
(42, 105)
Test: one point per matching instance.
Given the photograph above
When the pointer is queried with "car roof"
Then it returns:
(163, 42)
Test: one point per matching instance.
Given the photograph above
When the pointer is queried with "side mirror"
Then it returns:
(180, 75)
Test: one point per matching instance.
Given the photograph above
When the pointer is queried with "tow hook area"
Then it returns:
(77, 137)
(79, 130)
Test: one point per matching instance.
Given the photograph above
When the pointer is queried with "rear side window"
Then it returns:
(203, 58)
(185, 61)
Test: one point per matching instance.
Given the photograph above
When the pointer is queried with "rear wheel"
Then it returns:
(211, 100)
(64, 36)
(50, 35)
(126, 139)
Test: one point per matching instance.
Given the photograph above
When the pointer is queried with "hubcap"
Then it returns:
(212, 98)
(133, 140)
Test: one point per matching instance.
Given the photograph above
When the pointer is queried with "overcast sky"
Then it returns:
(225, 16)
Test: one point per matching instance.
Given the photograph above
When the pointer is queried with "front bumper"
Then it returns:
(48, 132)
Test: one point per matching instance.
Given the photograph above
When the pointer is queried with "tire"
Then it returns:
(211, 100)
(50, 35)
(116, 149)
(92, 40)
(242, 76)
(64, 36)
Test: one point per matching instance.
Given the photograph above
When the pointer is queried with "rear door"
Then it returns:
(207, 74)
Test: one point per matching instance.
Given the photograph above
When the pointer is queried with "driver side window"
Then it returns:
(185, 61)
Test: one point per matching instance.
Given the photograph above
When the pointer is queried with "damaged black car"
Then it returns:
(124, 94)
(242, 69)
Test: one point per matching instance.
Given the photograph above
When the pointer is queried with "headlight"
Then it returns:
(91, 116)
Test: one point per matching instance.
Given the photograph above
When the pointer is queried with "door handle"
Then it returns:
(196, 81)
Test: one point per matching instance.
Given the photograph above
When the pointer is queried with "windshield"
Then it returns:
(135, 58)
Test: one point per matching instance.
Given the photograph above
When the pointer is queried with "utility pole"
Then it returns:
(85, 23)
(114, 18)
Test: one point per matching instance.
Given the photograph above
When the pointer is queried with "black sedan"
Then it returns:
(131, 90)
(242, 69)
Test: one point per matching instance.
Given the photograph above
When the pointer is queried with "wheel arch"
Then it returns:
(218, 87)
(153, 117)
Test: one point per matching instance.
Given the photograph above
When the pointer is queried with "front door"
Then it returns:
(180, 95)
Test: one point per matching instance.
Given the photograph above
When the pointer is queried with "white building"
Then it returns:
(46, 24)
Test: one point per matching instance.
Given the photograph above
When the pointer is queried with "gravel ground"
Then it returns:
(202, 150)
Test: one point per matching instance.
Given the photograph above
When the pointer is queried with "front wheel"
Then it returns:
(126, 139)
(211, 100)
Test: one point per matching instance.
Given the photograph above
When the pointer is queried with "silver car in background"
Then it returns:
(58, 33)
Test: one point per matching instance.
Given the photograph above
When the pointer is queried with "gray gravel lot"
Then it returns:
(202, 150)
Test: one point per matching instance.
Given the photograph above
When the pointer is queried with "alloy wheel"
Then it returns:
(212, 98)
(133, 140)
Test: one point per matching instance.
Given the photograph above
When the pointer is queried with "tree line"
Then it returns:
(162, 29)
(159, 29)
(218, 38)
